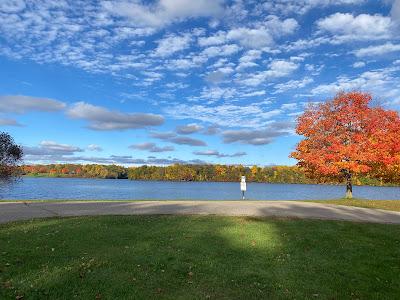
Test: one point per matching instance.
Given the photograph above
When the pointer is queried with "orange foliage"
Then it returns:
(348, 135)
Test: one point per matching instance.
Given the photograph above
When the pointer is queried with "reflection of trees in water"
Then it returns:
(10, 159)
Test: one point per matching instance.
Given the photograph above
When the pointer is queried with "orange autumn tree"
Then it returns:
(346, 136)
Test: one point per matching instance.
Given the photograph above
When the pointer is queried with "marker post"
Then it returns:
(243, 186)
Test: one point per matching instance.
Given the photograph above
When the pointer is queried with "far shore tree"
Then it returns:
(10, 156)
(347, 136)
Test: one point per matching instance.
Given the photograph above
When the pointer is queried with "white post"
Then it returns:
(243, 186)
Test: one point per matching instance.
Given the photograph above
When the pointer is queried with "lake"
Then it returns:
(111, 189)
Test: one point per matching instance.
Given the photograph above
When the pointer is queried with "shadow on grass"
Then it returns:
(198, 257)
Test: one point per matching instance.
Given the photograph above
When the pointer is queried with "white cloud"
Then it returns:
(171, 44)
(251, 37)
(184, 140)
(303, 6)
(152, 147)
(217, 39)
(383, 83)
(164, 11)
(172, 137)
(259, 36)
(264, 35)
(218, 154)
(12, 6)
(225, 50)
(22, 104)
(188, 129)
(254, 94)
(51, 148)
(247, 60)
(277, 68)
(377, 50)
(258, 137)
(345, 27)
(51, 145)
(293, 84)
(395, 11)
(359, 64)
(226, 115)
(94, 147)
(182, 64)
(289, 106)
(217, 93)
(101, 118)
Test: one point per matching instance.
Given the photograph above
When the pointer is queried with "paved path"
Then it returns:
(13, 211)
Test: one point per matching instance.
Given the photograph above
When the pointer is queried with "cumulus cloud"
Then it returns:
(218, 154)
(171, 44)
(345, 27)
(224, 50)
(100, 118)
(258, 137)
(225, 115)
(395, 11)
(184, 140)
(113, 159)
(22, 104)
(292, 84)
(188, 129)
(211, 130)
(261, 35)
(303, 6)
(94, 147)
(277, 68)
(151, 147)
(218, 38)
(164, 11)
(12, 6)
(264, 34)
(54, 146)
(163, 135)
(359, 64)
(51, 148)
(382, 82)
(248, 60)
(175, 139)
(377, 50)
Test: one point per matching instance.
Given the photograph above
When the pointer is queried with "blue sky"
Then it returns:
(158, 82)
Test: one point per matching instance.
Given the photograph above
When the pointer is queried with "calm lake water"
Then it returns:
(109, 189)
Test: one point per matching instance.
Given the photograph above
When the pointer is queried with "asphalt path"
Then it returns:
(15, 211)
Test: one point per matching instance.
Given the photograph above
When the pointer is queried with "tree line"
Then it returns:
(183, 172)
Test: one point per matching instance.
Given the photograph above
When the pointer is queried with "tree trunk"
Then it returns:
(349, 186)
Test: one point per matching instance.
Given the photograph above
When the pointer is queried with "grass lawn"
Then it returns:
(393, 205)
(198, 257)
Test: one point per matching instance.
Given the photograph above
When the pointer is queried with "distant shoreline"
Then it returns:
(210, 181)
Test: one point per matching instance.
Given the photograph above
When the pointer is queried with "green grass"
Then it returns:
(393, 205)
(198, 257)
